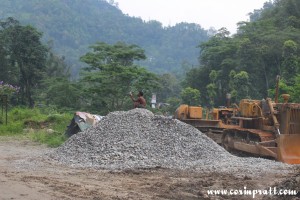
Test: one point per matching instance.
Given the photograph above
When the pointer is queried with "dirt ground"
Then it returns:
(42, 179)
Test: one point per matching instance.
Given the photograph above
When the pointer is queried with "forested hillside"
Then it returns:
(246, 64)
(72, 26)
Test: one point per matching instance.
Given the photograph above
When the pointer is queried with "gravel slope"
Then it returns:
(139, 139)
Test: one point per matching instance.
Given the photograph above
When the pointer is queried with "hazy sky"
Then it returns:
(207, 13)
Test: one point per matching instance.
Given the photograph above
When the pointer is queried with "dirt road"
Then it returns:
(26, 174)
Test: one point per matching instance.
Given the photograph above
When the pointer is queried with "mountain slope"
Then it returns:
(73, 25)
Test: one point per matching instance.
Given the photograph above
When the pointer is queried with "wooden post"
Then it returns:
(4, 99)
(2, 104)
(6, 109)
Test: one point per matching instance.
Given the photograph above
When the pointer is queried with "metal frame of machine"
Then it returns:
(260, 127)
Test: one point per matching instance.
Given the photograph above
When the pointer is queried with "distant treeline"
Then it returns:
(245, 65)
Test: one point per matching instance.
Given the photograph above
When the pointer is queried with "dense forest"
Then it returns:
(244, 64)
(71, 26)
(247, 63)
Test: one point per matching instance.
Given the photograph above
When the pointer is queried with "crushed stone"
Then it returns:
(138, 139)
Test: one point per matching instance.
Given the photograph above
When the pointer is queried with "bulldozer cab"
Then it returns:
(288, 141)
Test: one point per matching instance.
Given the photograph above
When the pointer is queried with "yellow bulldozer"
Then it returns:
(261, 127)
(266, 128)
(211, 122)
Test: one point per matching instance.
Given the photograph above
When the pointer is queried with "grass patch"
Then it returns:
(39, 125)
(51, 139)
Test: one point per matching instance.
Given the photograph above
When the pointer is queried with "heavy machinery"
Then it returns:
(211, 122)
(260, 127)
(266, 128)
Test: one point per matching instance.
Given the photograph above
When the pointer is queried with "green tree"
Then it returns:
(62, 93)
(262, 48)
(112, 74)
(296, 94)
(211, 91)
(174, 104)
(9, 72)
(190, 96)
(213, 75)
(169, 87)
(290, 64)
(241, 85)
(27, 54)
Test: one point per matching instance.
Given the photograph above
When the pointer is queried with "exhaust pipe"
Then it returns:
(228, 100)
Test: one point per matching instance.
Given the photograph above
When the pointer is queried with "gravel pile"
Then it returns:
(139, 139)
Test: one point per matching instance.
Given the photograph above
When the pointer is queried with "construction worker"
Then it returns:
(140, 102)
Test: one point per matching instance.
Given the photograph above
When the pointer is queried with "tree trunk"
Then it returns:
(29, 96)
(27, 89)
